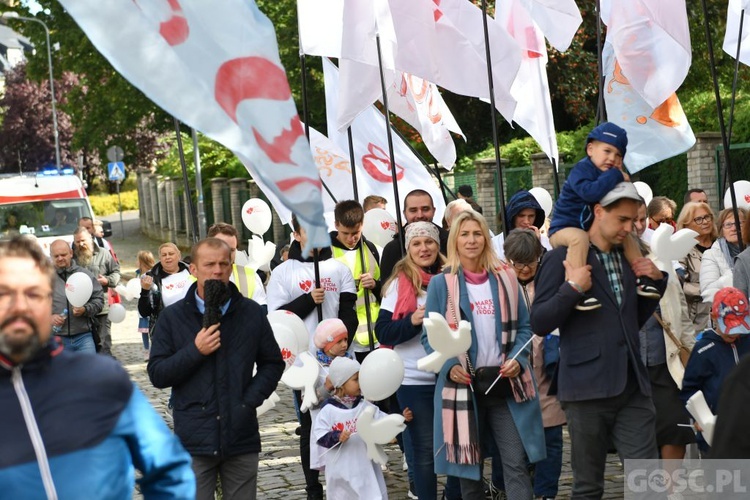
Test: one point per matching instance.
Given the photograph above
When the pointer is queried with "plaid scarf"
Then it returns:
(460, 432)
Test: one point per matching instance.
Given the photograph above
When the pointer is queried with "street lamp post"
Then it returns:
(14, 15)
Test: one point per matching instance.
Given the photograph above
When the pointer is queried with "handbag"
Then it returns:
(682, 350)
(484, 376)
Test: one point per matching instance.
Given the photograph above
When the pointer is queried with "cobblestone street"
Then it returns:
(280, 474)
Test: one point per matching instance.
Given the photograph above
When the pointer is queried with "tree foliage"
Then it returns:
(107, 110)
(27, 130)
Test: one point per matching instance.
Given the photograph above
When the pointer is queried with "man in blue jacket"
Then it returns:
(74, 425)
(214, 390)
(600, 380)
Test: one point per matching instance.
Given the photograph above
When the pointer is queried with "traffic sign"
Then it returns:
(116, 171)
(115, 153)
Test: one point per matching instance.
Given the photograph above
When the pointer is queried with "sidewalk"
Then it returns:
(280, 473)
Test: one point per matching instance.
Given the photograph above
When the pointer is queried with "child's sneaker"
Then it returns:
(647, 288)
(588, 303)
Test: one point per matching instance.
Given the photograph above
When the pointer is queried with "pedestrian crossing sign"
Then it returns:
(116, 171)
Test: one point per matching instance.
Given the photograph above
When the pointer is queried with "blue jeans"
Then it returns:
(418, 437)
(82, 342)
(547, 471)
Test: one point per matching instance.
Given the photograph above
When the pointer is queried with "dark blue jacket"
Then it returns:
(596, 347)
(710, 362)
(95, 428)
(584, 186)
(521, 201)
(215, 396)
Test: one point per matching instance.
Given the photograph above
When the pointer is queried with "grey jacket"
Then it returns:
(103, 263)
(76, 324)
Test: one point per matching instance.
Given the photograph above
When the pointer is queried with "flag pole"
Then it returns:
(734, 88)
(722, 128)
(495, 138)
(436, 169)
(191, 210)
(306, 117)
(601, 110)
(389, 135)
(362, 242)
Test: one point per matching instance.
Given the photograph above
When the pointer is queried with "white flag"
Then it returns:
(371, 153)
(320, 26)
(734, 14)
(651, 40)
(419, 103)
(440, 41)
(654, 134)
(531, 88)
(215, 66)
(558, 19)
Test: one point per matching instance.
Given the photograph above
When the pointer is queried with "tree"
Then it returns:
(26, 137)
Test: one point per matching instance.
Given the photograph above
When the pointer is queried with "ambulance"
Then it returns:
(45, 204)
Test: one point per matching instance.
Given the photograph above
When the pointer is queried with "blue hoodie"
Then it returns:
(710, 362)
(521, 201)
(585, 186)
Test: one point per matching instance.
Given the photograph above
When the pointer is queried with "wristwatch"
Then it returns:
(575, 286)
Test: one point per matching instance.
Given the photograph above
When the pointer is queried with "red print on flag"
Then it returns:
(215, 67)
(175, 30)
(280, 149)
(376, 160)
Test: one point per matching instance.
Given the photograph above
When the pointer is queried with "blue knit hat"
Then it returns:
(611, 134)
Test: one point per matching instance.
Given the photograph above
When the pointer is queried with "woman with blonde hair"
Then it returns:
(399, 325)
(717, 266)
(477, 288)
(699, 217)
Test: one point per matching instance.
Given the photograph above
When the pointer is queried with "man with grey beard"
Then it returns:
(107, 271)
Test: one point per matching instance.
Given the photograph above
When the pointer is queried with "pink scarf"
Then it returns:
(406, 301)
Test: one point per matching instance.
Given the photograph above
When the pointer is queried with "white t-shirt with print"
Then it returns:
(293, 278)
(483, 312)
(411, 350)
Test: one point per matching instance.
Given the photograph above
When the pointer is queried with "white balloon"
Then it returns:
(293, 323)
(644, 190)
(742, 192)
(123, 292)
(133, 287)
(379, 226)
(256, 215)
(116, 313)
(544, 199)
(78, 289)
(381, 374)
(287, 343)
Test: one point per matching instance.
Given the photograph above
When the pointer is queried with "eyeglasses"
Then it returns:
(667, 220)
(703, 219)
(731, 225)
(519, 266)
(34, 298)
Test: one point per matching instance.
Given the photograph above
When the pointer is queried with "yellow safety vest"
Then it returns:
(245, 281)
(371, 265)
